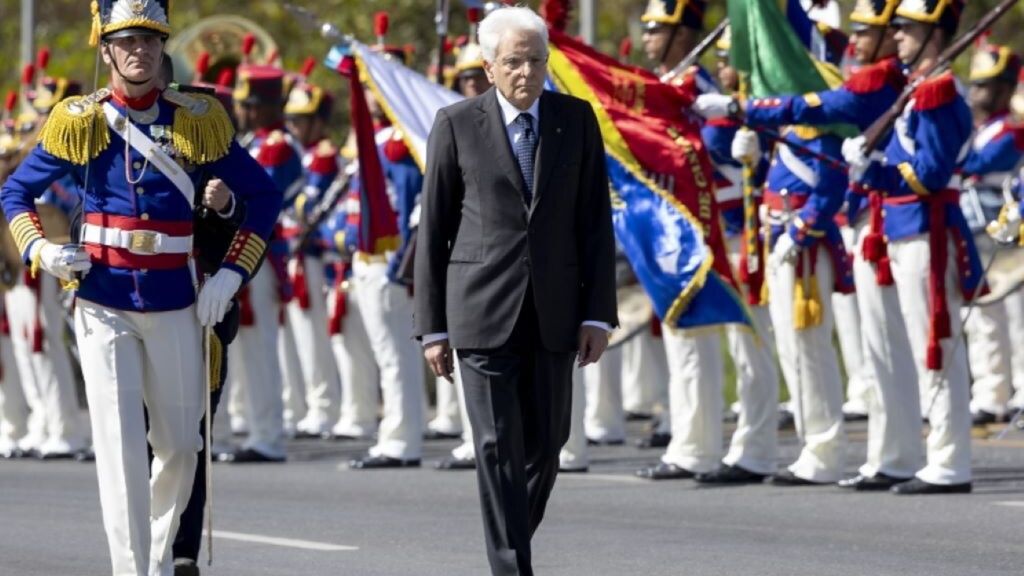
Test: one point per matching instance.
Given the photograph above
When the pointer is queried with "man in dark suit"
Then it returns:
(515, 270)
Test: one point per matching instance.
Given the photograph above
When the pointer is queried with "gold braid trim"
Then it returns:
(76, 131)
(216, 360)
(202, 131)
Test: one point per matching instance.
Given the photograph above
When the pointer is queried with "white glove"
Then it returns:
(1006, 228)
(746, 147)
(414, 218)
(853, 153)
(785, 251)
(713, 105)
(215, 296)
(61, 260)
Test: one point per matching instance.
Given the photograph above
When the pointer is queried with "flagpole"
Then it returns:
(27, 30)
(588, 15)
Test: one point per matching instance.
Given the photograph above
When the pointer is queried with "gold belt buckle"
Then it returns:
(143, 242)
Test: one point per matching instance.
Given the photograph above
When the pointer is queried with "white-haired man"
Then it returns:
(514, 269)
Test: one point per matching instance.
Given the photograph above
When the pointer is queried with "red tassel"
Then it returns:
(473, 15)
(299, 286)
(245, 314)
(226, 78)
(883, 272)
(202, 64)
(874, 247)
(943, 327)
(655, 327)
(28, 73)
(12, 100)
(934, 360)
(5, 324)
(340, 308)
(625, 48)
(37, 336)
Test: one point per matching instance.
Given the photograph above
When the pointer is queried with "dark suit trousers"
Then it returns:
(519, 399)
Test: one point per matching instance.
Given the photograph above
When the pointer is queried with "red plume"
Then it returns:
(248, 41)
(556, 13)
(473, 15)
(12, 99)
(202, 64)
(43, 58)
(381, 23)
(226, 78)
(625, 48)
(27, 74)
(307, 66)
(448, 45)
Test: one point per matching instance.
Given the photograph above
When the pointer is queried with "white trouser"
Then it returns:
(860, 380)
(894, 408)
(948, 446)
(447, 419)
(695, 397)
(359, 376)
(13, 408)
(604, 419)
(754, 444)
(811, 369)
(387, 315)
(46, 377)
(236, 392)
(465, 451)
(574, 453)
(316, 363)
(254, 360)
(988, 353)
(1014, 306)
(130, 359)
(644, 374)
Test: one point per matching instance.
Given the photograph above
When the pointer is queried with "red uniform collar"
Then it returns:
(140, 103)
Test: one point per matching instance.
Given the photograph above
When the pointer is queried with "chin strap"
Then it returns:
(668, 45)
(878, 44)
(920, 51)
(117, 69)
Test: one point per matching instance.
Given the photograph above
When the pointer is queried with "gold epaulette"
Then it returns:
(76, 130)
(202, 130)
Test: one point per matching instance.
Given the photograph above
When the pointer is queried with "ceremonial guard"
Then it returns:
(932, 256)
(988, 172)
(752, 453)
(134, 150)
(386, 304)
(695, 361)
(256, 361)
(308, 110)
(34, 304)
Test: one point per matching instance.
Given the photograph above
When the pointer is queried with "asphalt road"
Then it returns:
(314, 517)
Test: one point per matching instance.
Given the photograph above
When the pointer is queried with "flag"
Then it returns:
(663, 204)
(378, 225)
(408, 98)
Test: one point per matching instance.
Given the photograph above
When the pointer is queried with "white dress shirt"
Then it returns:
(509, 113)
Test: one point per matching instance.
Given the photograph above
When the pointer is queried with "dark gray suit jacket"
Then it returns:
(480, 247)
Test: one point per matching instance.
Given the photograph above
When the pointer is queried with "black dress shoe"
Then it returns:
(185, 567)
(984, 418)
(787, 478)
(307, 435)
(786, 421)
(655, 440)
(435, 435)
(592, 442)
(14, 454)
(57, 456)
(917, 486)
(638, 416)
(85, 456)
(854, 417)
(875, 483)
(730, 475)
(374, 462)
(248, 456)
(573, 469)
(664, 471)
(452, 463)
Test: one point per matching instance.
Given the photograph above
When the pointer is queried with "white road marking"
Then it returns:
(286, 542)
(1011, 503)
(619, 478)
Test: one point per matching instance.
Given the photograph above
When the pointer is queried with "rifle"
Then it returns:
(877, 132)
(324, 207)
(697, 51)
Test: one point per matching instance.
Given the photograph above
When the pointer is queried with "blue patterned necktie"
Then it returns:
(525, 148)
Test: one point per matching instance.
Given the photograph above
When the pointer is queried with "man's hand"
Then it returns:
(61, 260)
(216, 195)
(746, 147)
(1006, 227)
(785, 251)
(440, 359)
(853, 153)
(593, 342)
(711, 106)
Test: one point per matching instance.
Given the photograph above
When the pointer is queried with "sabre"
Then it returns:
(207, 438)
(310, 20)
(697, 51)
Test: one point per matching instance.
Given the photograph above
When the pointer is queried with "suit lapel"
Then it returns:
(549, 147)
(492, 126)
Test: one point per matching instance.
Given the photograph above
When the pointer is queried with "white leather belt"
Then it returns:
(142, 242)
